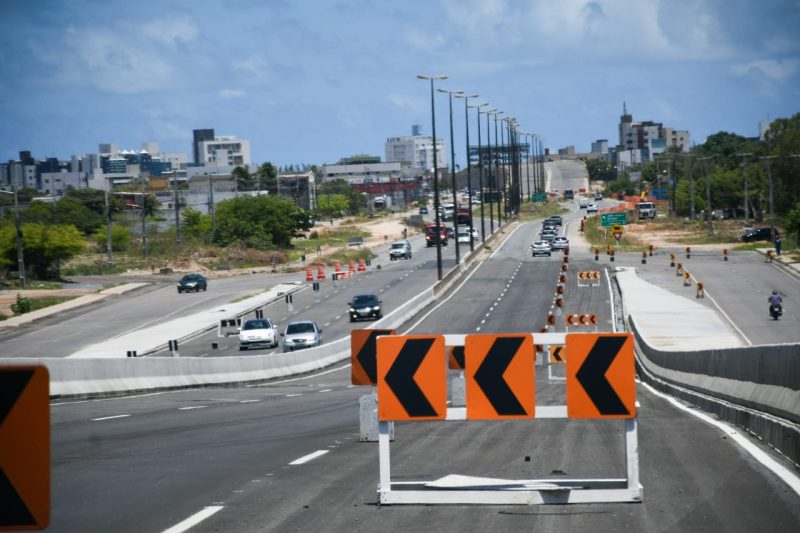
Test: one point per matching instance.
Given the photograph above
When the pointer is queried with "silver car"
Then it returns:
(559, 243)
(540, 248)
(301, 334)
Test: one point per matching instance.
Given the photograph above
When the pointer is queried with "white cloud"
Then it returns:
(255, 67)
(171, 30)
(773, 69)
(231, 93)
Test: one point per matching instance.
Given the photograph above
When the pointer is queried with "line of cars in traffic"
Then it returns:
(550, 239)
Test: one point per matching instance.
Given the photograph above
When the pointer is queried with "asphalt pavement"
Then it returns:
(668, 315)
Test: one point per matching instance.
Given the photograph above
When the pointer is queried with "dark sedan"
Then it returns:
(365, 307)
(759, 234)
(193, 282)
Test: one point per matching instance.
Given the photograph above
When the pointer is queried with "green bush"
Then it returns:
(22, 305)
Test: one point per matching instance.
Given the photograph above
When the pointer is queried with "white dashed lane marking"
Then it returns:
(109, 417)
(309, 457)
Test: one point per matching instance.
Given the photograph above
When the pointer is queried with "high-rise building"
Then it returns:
(198, 137)
(648, 136)
(416, 150)
(600, 146)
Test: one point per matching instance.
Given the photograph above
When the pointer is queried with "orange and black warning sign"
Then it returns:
(600, 375)
(558, 353)
(455, 358)
(364, 364)
(571, 320)
(500, 376)
(24, 448)
(412, 377)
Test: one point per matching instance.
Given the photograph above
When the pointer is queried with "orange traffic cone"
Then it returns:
(309, 273)
(352, 266)
(321, 272)
(361, 265)
(338, 266)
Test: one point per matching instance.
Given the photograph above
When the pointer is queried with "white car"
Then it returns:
(541, 248)
(301, 334)
(259, 332)
(591, 208)
(463, 236)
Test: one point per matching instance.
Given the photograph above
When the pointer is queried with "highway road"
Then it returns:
(285, 456)
(566, 174)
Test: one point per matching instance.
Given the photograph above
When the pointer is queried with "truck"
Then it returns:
(569, 194)
(646, 209)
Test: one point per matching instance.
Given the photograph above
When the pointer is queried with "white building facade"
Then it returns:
(416, 151)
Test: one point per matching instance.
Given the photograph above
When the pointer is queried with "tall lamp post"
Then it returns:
(453, 171)
(469, 167)
(435, 177)
(497, 166)
(18, 227)
(480, 168)
(489, 164)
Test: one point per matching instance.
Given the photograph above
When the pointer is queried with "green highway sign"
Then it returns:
(609, 219)
(538, 198)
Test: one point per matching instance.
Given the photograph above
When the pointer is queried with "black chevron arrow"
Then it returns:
(368, 354)
(489, 376)
(400, 378)
(592, 376)
(557, 353)
(13, 511)
(458, 355)
(12, 383)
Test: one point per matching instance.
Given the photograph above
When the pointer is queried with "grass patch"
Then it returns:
(531, 211)
(601, 238)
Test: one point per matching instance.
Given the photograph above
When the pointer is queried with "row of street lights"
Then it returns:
(511, 158)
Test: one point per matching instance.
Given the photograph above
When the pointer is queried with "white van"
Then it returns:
(646, 209)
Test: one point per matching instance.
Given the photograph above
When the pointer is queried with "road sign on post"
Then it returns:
(616, 230)
(500, 376)
(609, 219)
(24, 448)
(412, 377)
(600, 375)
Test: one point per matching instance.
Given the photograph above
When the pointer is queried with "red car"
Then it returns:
(432, 236)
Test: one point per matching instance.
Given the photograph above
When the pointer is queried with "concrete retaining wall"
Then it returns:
(754, 387)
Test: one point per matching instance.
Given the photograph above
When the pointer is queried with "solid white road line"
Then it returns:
(194, 519)
(192, 407)
(755, 452)
(309, 457)
(248, 401)
(326, 390)
(108, 417)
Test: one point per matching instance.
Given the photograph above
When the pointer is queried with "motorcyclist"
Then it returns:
(775, 299)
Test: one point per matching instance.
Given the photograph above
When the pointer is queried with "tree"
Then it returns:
(70, 211)
(329, 204)
(45, 246)
(94, 199)
(196, 225)
(267, 178)
(244, 180)
(259, 221)
(120, 238)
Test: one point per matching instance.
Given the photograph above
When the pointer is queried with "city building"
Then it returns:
(600, 146)
(416, 150)
(650, 137)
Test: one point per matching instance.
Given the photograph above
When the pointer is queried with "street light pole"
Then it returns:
(469, 168)
(490, 163)
(435, 178)
(453, 172)
(497, 166)
(480, 169)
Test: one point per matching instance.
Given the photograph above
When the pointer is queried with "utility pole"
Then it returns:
(18, 225)
(709, 212)
(691, 187)
(769, 159)
(144, 224)
(746, 192)
(108, 226)
(177, 203)
(211, 209)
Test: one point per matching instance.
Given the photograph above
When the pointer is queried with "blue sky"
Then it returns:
(311, 81)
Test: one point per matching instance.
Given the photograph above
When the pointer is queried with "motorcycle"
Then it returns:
(775, 311)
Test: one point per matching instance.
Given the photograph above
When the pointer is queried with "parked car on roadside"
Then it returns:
(192, 282)
(757, 234)
(257, 333)
(301, 334)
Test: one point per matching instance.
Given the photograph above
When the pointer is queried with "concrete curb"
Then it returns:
(80, 301)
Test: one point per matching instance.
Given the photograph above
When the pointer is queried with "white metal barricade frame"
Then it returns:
(470, 490)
